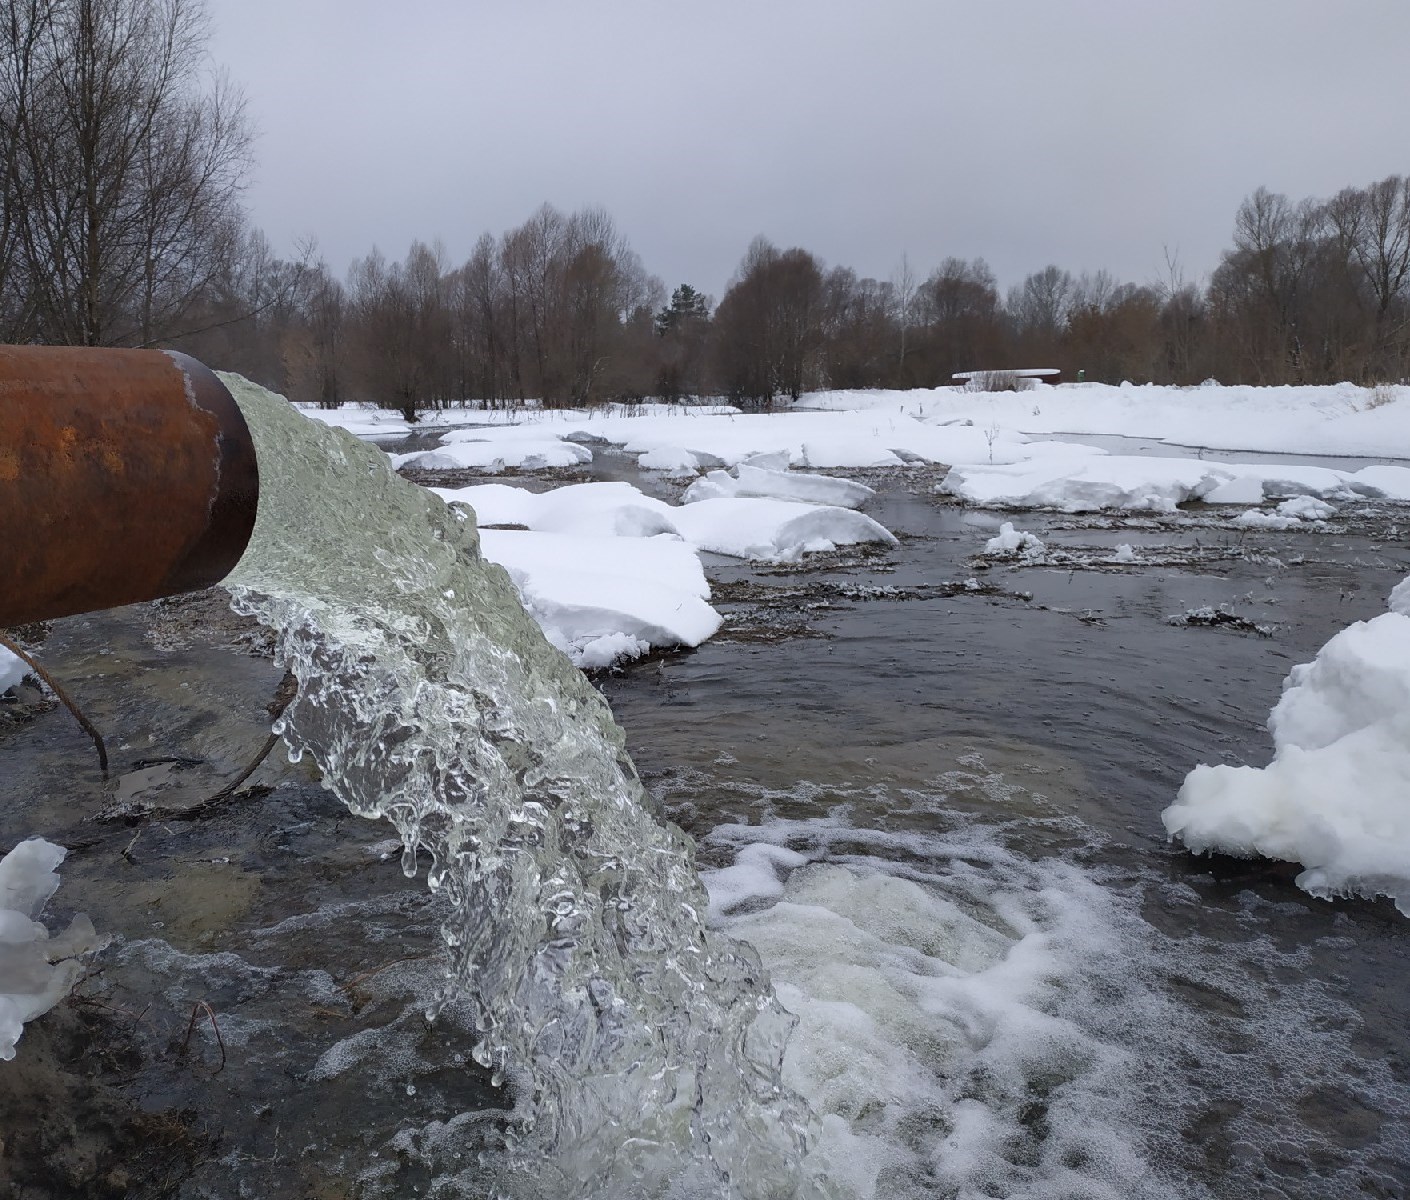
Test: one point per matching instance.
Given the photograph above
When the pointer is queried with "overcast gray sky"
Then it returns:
(1089, 133)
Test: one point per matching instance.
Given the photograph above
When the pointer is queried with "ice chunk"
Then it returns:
(1305, 508)
(1288, 515)
(36, 971)
(1253, 519)
(1011, 542)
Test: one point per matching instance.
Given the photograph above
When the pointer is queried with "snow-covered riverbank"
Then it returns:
(1331, 797)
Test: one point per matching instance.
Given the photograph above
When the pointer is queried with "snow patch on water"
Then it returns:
(1333, 798)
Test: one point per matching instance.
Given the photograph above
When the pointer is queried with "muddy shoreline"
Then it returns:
(247, 938)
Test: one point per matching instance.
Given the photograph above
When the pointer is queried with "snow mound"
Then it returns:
(670, 460)
(607, 509)
(774, 530)
(1382, 482)
(1334, 796)
(1087, 484)
(12, 669)
(609, 572)
(749, 479)
(599, 599)
(1012, 543)
(1400, 598)
(36, 970)
(492, 457)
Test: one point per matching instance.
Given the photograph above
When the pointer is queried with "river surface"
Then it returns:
(933, 804)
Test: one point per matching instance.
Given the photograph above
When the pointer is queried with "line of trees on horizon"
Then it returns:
(121, 224)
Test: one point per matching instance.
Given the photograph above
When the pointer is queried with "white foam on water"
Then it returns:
(944, 987)
(975, 1022)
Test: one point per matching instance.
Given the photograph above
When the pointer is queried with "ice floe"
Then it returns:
(774, 530)
(492, 457)
(1108, 481)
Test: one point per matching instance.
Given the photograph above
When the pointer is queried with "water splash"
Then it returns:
(644, 1050)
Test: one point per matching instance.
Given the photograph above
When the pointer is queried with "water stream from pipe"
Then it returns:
(642, 1049)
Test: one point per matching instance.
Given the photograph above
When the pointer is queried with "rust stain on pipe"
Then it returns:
(125, 475)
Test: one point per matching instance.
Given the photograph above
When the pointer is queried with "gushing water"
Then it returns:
(643, 1051)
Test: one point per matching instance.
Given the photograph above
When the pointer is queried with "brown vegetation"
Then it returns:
(120, 224)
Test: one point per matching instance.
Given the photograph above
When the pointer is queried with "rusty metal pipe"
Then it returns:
(125, 475)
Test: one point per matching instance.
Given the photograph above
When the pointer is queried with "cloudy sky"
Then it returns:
(1089, 133)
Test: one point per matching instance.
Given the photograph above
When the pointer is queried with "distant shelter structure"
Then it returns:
(1006, 380)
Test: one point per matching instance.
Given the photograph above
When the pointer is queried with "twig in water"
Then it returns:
(63, 696)
(196, 1010)
(283, 696)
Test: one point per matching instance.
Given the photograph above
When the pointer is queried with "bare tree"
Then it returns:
(123, 166)
(961, 321)
(770, 324)
(1040, 306)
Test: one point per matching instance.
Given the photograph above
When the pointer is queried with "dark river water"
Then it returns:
(881, 735)
(1282, 1069)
